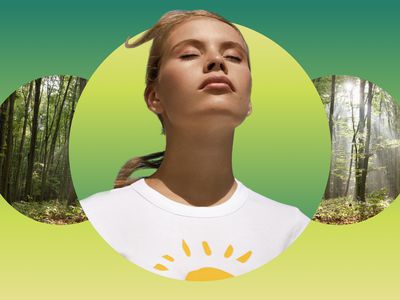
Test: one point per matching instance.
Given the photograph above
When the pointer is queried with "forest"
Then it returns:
(364, 123)
(35, 122)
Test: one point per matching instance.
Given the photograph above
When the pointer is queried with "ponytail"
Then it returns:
(150, 161)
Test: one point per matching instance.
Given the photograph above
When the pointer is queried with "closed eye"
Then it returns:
(234, 58)
(188, 56)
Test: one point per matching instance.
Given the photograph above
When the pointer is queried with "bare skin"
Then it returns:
(184, 175)
(200, 122)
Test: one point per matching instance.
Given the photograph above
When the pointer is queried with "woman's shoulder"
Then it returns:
(284, 218)
(108, 198)
(271, 207)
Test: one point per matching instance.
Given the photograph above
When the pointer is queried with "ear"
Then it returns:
(250, 110)
(152, 100)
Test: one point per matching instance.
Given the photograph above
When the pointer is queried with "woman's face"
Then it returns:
(204, 79)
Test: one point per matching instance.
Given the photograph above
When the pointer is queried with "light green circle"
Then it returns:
(281, 151)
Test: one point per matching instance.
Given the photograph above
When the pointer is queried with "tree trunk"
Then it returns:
(354, 148)
(328, 194)
(82, 84)
(47, 136)
(56, 130)
(3, 127)
(366, 154)
(21, 143)
(350, 168)
(359, 193)
(9, 150)
(32, 148)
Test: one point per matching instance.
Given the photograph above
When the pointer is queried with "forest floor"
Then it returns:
(51, 212)
(345, 210)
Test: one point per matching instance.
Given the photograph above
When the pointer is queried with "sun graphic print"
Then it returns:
(214, 265)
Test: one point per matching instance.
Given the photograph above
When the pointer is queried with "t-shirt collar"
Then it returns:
(231, 205)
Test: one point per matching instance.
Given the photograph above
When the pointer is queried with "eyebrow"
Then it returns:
(198, 43)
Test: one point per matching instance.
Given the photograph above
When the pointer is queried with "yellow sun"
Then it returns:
(205, 273)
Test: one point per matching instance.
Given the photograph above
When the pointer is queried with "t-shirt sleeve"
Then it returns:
(301, 222)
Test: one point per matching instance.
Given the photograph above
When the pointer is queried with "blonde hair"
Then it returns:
(159, 33)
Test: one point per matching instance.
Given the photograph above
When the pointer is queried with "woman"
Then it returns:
(192, 219)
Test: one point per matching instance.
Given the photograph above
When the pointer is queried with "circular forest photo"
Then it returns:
(364, 123)
(35, 122)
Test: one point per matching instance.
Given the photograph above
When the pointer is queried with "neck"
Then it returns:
(197, 168)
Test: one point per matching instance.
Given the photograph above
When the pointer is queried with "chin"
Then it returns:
(227, 106)
(221, 101)
(220, 116)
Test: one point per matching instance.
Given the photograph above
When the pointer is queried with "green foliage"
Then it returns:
(345, 210)
(378, 195)
(51, 212)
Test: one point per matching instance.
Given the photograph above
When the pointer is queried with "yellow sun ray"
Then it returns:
(169, 258)
(185, 248)
(206, 248)
(228, 251)
(205, 273)
(160, 267)
(244, 257)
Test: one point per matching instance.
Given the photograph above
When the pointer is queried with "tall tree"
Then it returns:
(16, 195)
(3, 128)
(55, 136)
(360, 144)
(6, 174)
(366, 154)
(68, 190)
(363, 141)
(48, 128)
(328, 187)
(32, 148)
(354, 148)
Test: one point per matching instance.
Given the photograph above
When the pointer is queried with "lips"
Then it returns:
(217, 79)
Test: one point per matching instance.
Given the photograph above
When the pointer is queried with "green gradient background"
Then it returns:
(273, 148)
(39, 261)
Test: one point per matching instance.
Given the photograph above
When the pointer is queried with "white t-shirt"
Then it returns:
(194, 243)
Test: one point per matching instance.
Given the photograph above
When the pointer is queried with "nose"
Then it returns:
(215, 63)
